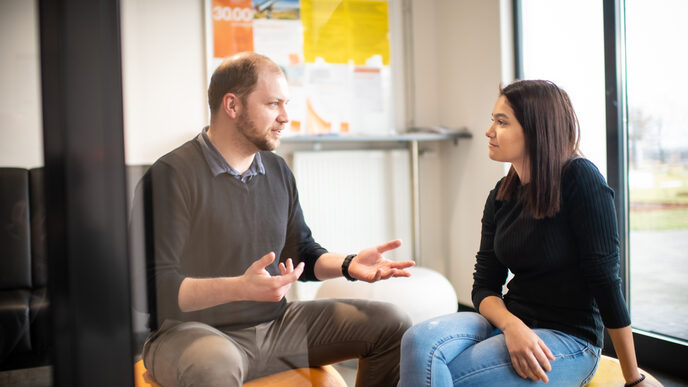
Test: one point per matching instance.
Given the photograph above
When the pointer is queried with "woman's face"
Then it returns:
(506, 142)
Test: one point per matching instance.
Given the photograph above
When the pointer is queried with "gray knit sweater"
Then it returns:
(214, 226)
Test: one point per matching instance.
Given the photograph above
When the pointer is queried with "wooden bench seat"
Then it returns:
(326, 376)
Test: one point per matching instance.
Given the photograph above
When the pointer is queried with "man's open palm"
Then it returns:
(370, 266)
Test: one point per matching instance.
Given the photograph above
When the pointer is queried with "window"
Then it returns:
(627, 56)
(658, 165)
(555, 48)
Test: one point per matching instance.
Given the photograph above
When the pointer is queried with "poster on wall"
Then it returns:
(335, 54)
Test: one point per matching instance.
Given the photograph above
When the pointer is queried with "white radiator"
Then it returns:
(355, 199)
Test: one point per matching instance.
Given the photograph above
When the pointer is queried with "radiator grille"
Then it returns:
(356, 198)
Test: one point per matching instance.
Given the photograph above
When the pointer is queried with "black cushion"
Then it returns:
(39, 319)
(39, 261)
(15, 261)
(24, 316)
(15, 334)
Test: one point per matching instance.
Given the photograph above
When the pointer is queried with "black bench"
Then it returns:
(24, 317)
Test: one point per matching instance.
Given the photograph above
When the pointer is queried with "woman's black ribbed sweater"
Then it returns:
(565, 268)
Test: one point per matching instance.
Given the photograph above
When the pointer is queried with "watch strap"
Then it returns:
(345, 267)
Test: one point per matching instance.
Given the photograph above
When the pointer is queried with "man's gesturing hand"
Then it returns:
(370, 266)
(259, 285)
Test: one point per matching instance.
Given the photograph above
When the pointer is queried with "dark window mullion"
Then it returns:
(615, 109)
(518, 38)
(88, 268)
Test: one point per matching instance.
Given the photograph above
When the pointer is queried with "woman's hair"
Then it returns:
(551, 133)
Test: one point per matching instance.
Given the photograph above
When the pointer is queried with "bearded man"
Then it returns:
(230, 239)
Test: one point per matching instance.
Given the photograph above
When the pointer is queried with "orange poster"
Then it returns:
(232, 27)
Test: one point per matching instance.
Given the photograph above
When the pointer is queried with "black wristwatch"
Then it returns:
(345, 267)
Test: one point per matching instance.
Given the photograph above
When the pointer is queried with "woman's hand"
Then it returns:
(529, 355)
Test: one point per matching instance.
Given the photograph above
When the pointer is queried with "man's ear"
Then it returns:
(231, 104)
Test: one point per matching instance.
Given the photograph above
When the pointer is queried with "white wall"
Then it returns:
(164, 79)
(464, 55)
(21, 135)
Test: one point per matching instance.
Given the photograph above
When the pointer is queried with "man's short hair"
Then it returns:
(238, 74)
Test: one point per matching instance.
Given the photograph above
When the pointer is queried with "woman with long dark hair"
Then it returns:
(551, 222)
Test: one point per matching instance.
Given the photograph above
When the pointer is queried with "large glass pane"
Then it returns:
(562, 41)
(25, 339)
(658, 165)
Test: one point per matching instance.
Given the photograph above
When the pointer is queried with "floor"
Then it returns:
(41, 377)
(30, 377)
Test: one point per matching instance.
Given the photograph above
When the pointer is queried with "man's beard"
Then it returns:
(248, 128)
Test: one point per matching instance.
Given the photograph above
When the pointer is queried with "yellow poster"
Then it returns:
(340, 31)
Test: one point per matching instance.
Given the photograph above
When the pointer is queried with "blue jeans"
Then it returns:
(464, 349)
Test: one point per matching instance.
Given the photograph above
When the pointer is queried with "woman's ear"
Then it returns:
(231, 105)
